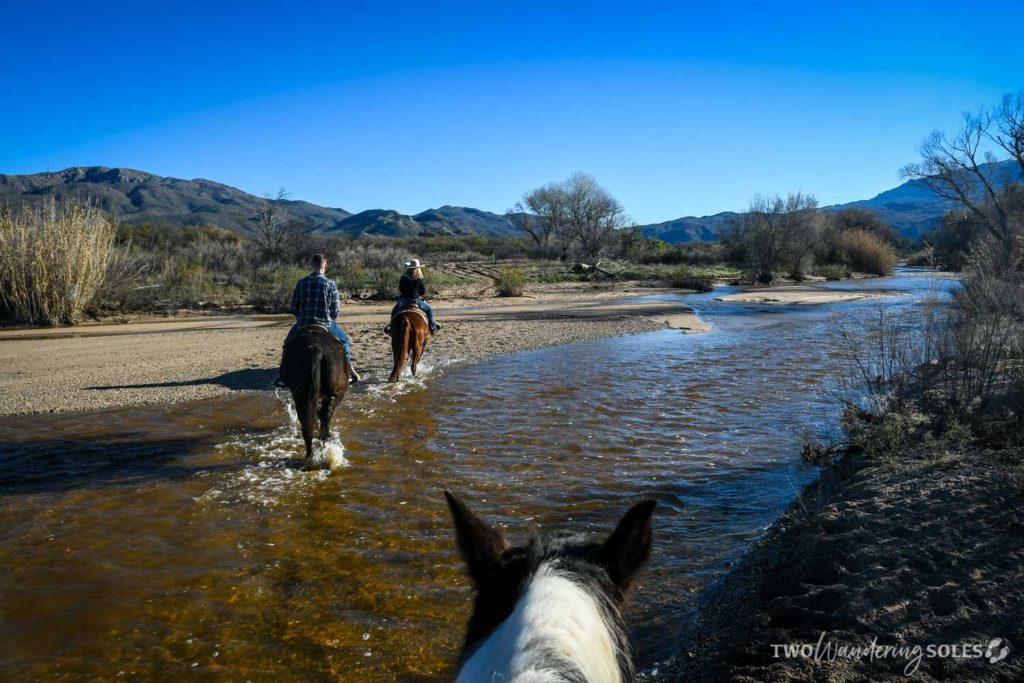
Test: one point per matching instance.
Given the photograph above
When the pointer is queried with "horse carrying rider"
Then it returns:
(316, 302)
(411, 290)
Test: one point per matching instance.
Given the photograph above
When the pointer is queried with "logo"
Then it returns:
(913, 654)
(991, 651)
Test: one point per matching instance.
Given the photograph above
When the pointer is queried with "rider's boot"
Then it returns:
(435, 328)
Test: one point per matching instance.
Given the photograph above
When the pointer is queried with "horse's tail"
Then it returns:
(400, 345)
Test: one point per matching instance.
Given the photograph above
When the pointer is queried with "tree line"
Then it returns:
(578, 218)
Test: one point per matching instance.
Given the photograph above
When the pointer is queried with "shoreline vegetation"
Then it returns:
(906, 556)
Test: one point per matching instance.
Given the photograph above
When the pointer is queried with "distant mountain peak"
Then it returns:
(911, 209)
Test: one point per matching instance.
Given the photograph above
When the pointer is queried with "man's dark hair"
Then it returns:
(317, 261)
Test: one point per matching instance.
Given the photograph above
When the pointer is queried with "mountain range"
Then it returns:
(138, 197)
(911, 209)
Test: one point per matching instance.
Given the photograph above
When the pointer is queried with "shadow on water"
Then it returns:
(123, 446)
(124, 459)
(237, 380)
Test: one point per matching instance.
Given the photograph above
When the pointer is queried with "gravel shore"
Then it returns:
(97, 366)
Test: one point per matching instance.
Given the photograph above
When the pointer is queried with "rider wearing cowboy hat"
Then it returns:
(412, 289)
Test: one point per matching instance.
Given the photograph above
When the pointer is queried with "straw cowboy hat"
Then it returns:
(415, 263)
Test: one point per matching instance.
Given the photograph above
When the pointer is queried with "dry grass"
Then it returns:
(53, 260)
(511, 282)
(867, 252)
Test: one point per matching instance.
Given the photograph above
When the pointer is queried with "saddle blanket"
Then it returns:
(410, 309)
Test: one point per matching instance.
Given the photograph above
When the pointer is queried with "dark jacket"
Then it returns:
(411, 288)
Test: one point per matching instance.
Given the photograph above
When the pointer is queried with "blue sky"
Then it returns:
(677, 108)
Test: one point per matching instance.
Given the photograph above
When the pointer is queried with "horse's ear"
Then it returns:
(626, 551)
(481, 544)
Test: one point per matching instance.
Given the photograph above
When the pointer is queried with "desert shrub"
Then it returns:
(866, 220)
(384, 282)
(867, 252)
(187, 285)
(832, 271)
(511, 281)
(225, 259)
(352, 278)
(53, 260)
(953, 238)
(684, 278)
(271, 287)
(689, 253)
(127, 285)
(923, 258)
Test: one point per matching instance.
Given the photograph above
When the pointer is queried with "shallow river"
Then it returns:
(178, 541)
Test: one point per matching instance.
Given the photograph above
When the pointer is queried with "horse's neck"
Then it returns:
(557, 632)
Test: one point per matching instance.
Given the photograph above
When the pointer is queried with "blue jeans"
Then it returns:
(336, 332)
(405, 301)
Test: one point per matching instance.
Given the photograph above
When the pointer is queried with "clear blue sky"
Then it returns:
(677, 108)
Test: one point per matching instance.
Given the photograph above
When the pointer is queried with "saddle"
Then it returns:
(407, 308)
(315, 328)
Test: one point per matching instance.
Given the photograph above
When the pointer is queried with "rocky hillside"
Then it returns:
(138, 197)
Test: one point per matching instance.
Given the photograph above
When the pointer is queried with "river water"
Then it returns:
(173, 541)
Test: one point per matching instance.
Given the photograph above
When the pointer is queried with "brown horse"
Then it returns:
(409, 333)
(317, 373)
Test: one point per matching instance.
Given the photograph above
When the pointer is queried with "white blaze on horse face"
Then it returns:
(555, 616)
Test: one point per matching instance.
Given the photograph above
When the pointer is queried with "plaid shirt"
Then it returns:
(315, 301)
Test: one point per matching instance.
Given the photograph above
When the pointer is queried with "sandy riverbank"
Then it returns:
(924, 550)
(158, 360)
(791, 295)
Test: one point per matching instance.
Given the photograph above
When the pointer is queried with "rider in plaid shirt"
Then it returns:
(316, 302)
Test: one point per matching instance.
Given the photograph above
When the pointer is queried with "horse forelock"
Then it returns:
(554, 612)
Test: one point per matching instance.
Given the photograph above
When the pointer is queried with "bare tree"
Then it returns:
(276, 231)
(577, 214)
(593, 216)
(862, 218)
(776, 233)
(1010, 126)
(964, 168)
(540, 214)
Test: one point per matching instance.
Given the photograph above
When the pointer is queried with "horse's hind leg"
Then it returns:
(417, 351)
(327, 408)
(306, 422)
(415, 361)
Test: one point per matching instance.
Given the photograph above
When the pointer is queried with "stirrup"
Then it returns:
(353, 376)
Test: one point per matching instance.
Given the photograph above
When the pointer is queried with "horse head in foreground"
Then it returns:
(549, 611)
(409, 333)
(316, 372)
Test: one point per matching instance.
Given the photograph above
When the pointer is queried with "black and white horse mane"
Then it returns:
(550, 607)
